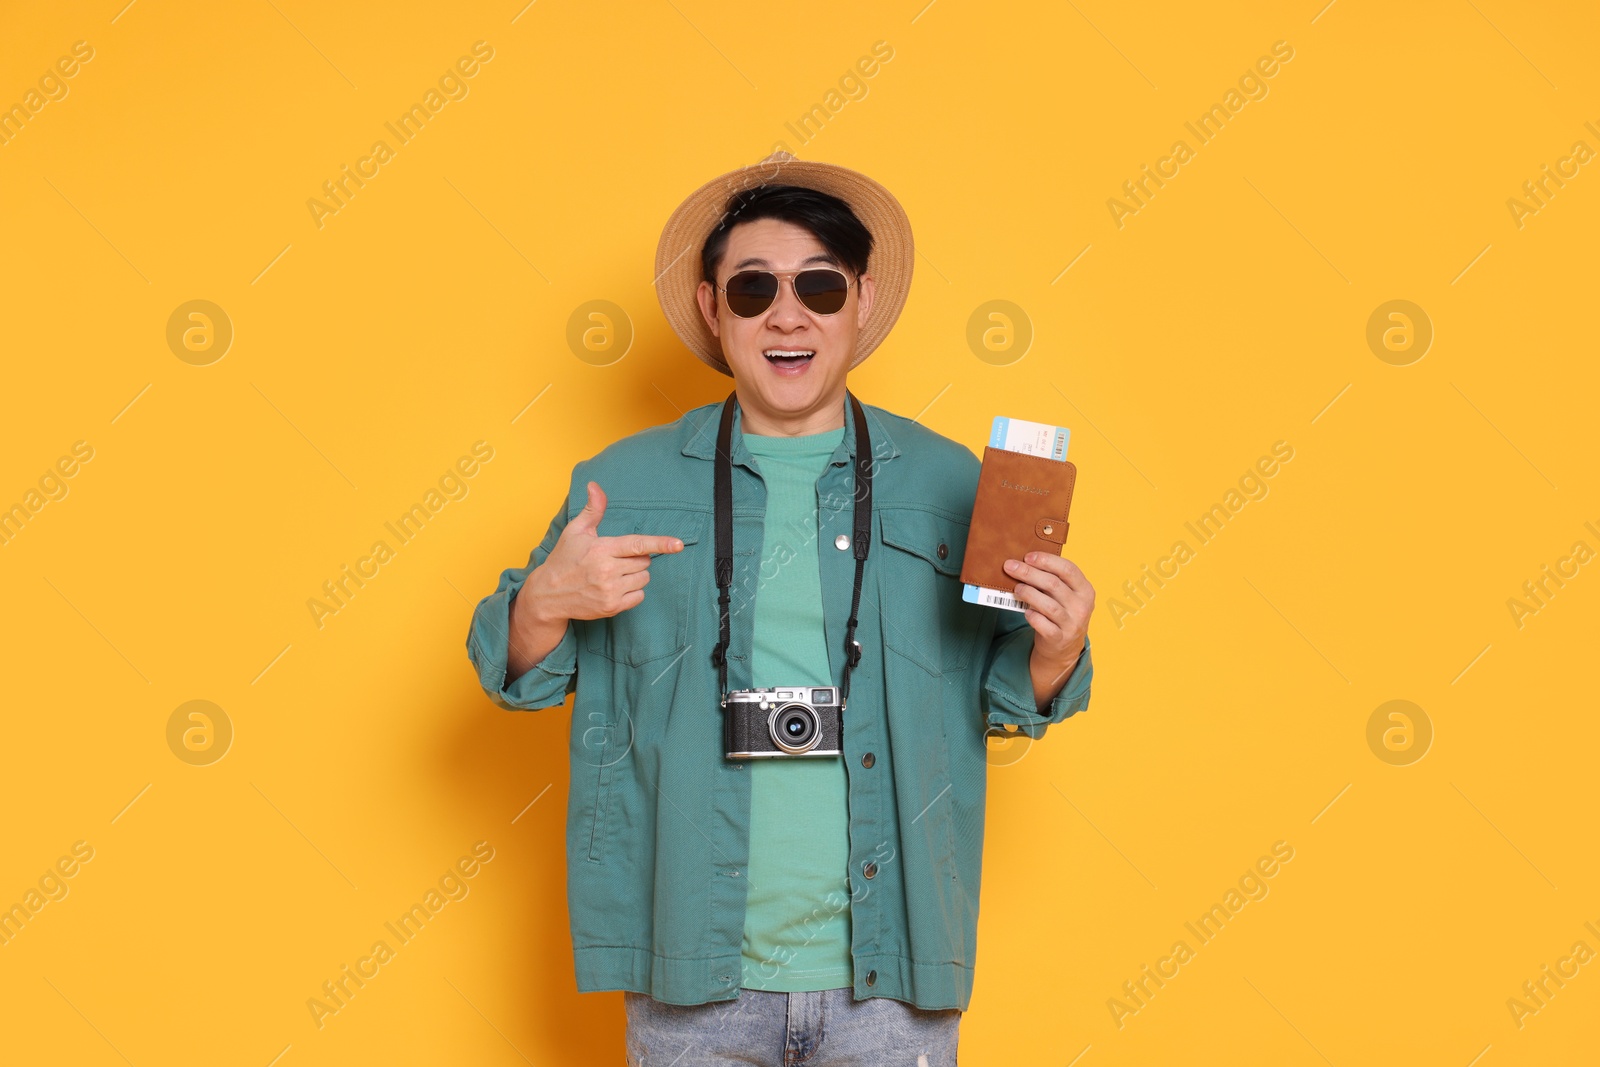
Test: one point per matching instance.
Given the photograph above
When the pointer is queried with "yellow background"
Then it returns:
(1229, 713)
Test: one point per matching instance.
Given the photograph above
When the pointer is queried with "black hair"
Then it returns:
(829, 219)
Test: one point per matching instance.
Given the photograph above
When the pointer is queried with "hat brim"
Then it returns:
(683, 237)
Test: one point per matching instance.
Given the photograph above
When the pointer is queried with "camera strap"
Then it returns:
(723, 494)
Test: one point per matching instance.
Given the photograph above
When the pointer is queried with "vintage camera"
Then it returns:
(782, 721)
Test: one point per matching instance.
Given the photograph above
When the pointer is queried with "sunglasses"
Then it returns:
(821, 289)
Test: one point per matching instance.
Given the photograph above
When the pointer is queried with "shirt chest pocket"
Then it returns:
(924, 617)
(662, 623)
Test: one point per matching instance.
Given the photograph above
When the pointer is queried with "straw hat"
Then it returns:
(678, 253)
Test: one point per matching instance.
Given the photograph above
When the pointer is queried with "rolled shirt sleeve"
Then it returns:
(545, 684)
(1008, 683)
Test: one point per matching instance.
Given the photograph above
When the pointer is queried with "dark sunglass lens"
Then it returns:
(751, 292)
(823, 291)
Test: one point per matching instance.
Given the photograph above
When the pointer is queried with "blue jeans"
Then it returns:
(828, 1028)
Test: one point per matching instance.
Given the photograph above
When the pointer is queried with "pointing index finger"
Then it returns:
(646, 544)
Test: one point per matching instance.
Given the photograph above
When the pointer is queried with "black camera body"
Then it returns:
(783, 721)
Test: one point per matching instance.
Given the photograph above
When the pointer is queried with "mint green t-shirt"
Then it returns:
(797, 918)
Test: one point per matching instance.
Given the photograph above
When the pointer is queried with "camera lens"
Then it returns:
(795, 728)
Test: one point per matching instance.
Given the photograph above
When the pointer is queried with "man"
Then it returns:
(767, 910)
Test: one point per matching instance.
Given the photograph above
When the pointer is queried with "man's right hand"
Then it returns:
(585, 576)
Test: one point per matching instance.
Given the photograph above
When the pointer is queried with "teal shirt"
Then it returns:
(658, 822)
(797, 917)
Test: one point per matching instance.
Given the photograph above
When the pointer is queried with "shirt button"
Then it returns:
(868, 760)
(869, 868)
(841, 542)
(872, 977)
(943, 550)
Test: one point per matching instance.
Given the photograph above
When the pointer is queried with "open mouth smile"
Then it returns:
(789, 362)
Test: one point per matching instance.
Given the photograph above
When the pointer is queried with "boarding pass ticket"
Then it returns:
(1034, 439)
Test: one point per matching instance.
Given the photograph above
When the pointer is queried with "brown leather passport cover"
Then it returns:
(1021, 507)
